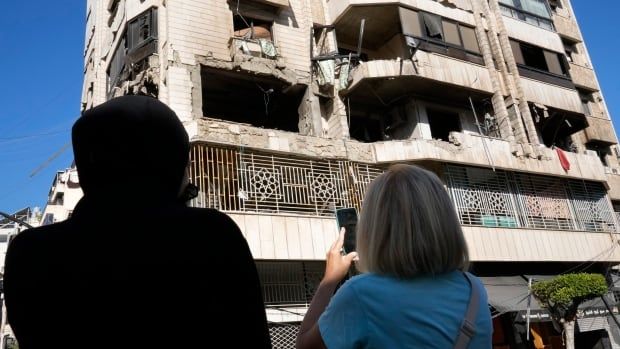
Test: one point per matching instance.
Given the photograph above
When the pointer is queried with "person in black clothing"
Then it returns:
(133, 266)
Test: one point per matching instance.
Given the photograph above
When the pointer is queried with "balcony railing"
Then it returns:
(517, 200)
(236, 180)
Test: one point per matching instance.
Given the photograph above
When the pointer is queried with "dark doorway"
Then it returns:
(442, 123)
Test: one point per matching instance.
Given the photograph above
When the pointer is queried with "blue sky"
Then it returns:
(41, 67)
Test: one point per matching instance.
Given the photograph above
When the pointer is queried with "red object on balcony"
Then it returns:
(563, 159)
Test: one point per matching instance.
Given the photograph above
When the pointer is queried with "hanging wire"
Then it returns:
(266, 97)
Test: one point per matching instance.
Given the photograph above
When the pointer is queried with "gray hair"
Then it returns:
(408, 226)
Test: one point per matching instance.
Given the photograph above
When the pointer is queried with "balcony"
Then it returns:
(284, 205)
(552, 95)
(567, 27)
(601, 131)
(583, 77)
(430, 70)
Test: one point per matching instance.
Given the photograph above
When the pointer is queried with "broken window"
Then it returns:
(601, 152)
(432, 26)
(142, 29)
(570, 49)
(535, 57)
(138, 42)
(258, 101)
(441, 35)
(586, 98)
(366, 128)
(252, 28)
(117, 65)
(442, 123)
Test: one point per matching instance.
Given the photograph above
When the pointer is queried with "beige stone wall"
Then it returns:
(583, 77)
(551, 95)
(467, 149)
(525, 245)
(529, 33)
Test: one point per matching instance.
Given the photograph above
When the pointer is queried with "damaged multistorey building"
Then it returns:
(294, 106)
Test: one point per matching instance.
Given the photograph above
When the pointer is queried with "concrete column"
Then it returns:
(506, 49)
(499, 106)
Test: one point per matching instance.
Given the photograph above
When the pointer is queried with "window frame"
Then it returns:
(441, 46)
(524, 13)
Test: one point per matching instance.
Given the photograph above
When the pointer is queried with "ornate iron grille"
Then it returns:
(232, 180)
(592, 208)
(289, 282)
(283, 336)
(482, 197)
(506, 199)
(544, 202)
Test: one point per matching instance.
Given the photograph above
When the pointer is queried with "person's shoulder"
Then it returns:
(39, 236)
(210, 216)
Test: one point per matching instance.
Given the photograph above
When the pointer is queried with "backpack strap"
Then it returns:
(468, 327)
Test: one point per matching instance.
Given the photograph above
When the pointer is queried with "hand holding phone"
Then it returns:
(347, 219)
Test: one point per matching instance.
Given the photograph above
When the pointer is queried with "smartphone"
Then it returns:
(347, 218)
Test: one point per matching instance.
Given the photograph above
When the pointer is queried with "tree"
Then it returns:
(563, 294)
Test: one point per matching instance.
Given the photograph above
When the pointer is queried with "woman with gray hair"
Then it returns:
(413, 291)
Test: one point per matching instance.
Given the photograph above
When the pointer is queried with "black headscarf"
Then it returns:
(130, 149)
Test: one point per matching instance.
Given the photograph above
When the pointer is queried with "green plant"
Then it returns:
(563, 294)
(566, 292)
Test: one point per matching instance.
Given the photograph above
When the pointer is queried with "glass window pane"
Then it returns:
(432, 24)
(516, 51)
(451, 33)
(410, 22)
(508, 2)
(469, 39)
(537, 7)
(553, 62)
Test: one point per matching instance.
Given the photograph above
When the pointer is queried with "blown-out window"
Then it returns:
(536, 59)
(441, 35)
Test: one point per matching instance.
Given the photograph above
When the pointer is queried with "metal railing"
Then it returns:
(518, 200)
(236, 180)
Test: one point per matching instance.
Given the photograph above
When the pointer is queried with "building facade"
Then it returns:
(64, 194)
(294, 106)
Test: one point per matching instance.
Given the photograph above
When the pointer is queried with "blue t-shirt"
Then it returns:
(383, 312)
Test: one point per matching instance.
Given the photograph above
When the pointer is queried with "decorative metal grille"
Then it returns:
(544, 202)
(283, 336)
(592, 207)
(232, 180)
(507, 199)
(482, 197)
(289, 282)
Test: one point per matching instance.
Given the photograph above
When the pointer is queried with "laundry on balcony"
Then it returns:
(267, 48)
(326, 70)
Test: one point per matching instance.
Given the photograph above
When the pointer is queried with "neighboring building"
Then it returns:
(64, 194)
(294, 106)
(9, 228)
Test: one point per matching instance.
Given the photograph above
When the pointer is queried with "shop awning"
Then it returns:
(508, 293)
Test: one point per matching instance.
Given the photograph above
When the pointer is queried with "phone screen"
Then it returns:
(347, 218)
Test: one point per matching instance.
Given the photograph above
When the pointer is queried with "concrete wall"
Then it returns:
(551, 95)
(305, 238)
(287, 237)
(429, 65)
(523, 245)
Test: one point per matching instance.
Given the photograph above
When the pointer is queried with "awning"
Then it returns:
(508, 293)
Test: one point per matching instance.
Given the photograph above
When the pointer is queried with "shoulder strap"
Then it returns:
(468, 327)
